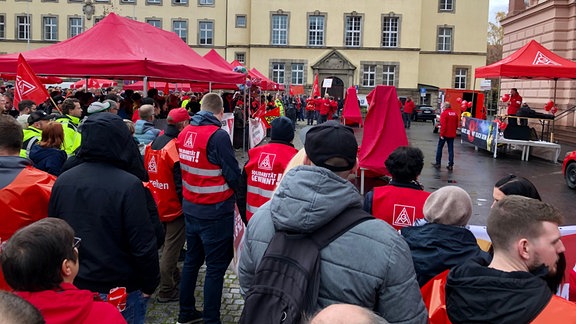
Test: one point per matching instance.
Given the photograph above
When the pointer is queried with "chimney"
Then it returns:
(516, 7)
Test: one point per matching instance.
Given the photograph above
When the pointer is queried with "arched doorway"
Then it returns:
(337, 88)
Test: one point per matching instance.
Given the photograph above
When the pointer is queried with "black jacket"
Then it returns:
(107, 207)
(438, 247)
(478, 294)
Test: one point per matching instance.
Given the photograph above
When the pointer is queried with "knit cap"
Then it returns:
(282, 129)
(448, 205)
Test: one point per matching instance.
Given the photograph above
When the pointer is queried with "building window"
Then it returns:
(369, 76)
(279, 30)
(206, 29)
(154, 22)
(297, 73)
(128, 1)
(446, 5)
(206, 2)
(180, 27)
(316, 30)
(278, 73)
(240, 21)
(390, 31)
(74, 26)
(389, 75)
(240, 57)
(23, 24)
(460, 78)
(353, 31)
(50, 26)
(154, 2)
(180, 2)
(2, 27)
(445, 39)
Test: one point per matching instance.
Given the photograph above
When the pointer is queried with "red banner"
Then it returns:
(270, 115)
(28, 86)
(316, 88)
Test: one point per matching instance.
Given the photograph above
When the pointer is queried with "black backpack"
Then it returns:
(286, 282)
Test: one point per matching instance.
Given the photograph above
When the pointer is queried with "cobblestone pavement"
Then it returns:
(232, 302)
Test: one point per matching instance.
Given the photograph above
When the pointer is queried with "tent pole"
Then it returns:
(209, 86)
(473, 96)
(245, 124)
(86, 84)
(145, 86)
(554, 120)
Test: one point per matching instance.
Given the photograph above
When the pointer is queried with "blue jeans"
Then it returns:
(210, 240)
(136, 306)
(440, 147)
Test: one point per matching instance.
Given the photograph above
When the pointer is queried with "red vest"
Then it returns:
(397, 206)
(264, 171)
(22, 202)
(160, 166)
(202, 181)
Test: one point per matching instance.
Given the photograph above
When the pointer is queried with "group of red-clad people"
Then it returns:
(320, 109)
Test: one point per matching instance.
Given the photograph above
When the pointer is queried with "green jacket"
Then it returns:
(31, 136)
(72, 136)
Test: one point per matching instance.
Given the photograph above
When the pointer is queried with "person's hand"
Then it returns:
(145, 295)
(442, 137)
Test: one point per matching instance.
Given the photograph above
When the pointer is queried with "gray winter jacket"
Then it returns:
(370, 265)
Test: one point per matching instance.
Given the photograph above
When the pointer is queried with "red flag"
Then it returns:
(27, 84)
(270, 115)
(166, 89)
(260, 111)
(291, 90)
(316, 88)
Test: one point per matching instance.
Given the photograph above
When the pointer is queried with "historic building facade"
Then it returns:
(552, 23)
(411, 44)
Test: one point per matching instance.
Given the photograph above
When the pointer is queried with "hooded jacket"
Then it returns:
(370, 265)
(107, 207)
(145, 132)
(71, 305)
(476, 293)
(438, 247)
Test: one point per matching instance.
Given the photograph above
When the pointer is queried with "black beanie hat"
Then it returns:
(282, 130)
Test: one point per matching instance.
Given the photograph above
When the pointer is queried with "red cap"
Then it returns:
(177, 115)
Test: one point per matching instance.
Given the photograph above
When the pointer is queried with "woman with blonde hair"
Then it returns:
(48, 155)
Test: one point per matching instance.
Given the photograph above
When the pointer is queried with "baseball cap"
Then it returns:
(177, 115)
(37, 116)
(331, 140)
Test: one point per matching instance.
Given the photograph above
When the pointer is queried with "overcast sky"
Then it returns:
(495, 6)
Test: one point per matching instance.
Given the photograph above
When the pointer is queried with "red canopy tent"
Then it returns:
(269, 85)
(45, 80)
(351, 111)
(216, 59)
(532, 61)
(383, 131)
(114, 49)
(93, 83)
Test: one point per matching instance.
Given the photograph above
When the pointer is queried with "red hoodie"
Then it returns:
(72, 305)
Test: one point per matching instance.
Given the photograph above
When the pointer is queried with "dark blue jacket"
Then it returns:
(438, 247)
(48, 159)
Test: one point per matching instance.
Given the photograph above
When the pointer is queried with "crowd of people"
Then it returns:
(96, 198)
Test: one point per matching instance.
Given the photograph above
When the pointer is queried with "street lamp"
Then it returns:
(88, 9)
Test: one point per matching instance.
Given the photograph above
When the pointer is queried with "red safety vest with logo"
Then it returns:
(558, 310)
(264, 170)
(17, 211)
(397, 206)
(160, 166)
(202, 181)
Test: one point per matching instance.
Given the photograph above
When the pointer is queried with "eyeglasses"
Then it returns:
(77, 241)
